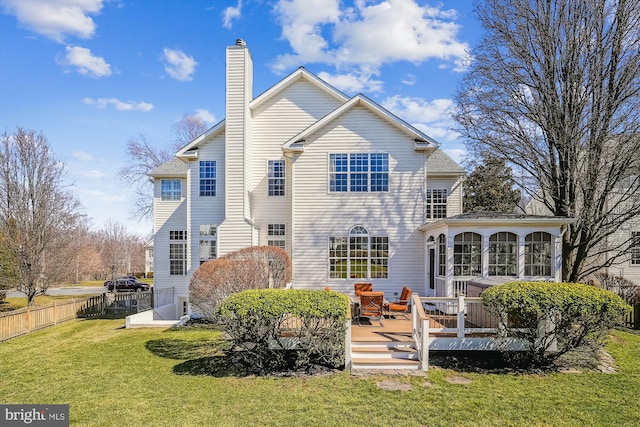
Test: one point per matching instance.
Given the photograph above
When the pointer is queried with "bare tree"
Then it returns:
(553, 88)
(144, 158)
(38, 216)
(121, 250)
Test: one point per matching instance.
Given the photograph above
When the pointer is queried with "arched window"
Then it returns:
(537, 254)
(442, 255)
(503, 254)
(467, 254)
(359, 255)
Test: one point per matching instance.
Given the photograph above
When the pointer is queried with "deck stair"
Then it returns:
(387, 347)
(384, 355)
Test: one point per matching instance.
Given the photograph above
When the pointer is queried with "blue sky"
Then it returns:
(92, 74)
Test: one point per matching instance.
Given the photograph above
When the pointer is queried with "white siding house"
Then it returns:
(340, 183)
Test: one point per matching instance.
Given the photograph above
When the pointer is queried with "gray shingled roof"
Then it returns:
(440, 162)
(174, 167)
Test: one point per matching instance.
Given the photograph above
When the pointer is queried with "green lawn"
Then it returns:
(141, 377)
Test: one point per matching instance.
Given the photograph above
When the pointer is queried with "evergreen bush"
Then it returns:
(553, 318)
(276, 330)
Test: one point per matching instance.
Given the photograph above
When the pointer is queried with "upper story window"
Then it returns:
(467, 254)
(537, 254)
(207, 178)
(503, 254)
(358, 255)
(359, 172)
(635, 248)
(436, 203)
(170, 189)
(276, 177)
(276, 235)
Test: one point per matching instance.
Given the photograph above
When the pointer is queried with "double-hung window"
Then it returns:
(208, 243)
(170, 189)
(207, 178)
(275, 176)
(436, 203)
(177, 252)
(359, 255)
(359, 172)
(276, 235)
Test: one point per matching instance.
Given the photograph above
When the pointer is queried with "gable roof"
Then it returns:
(188, 151)
(300, 74)
(421, 140)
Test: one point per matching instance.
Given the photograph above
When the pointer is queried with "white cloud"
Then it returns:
(431, 117)
(457, 154)
(83, 156)
(179, 65)
(119, 105)
(205, 116)
(101, 195)
(55, 19)
(368, 35)
(355, 82)
(86, 62)
(231, 13)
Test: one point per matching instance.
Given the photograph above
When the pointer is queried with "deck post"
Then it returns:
(461, 311)
(347, 346)
(424, 349)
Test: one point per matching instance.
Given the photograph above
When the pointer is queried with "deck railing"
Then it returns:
(460, 317)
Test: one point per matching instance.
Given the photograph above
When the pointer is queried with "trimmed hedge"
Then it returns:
(553, 318)
(275, 330)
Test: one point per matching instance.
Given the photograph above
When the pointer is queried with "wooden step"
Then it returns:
(384, 363)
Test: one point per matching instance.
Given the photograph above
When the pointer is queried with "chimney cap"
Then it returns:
(240, 42)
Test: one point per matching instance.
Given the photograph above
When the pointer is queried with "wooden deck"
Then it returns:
(392, 330)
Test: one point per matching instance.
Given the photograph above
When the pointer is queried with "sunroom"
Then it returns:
(492, 248)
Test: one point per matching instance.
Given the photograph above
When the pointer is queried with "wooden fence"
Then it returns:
(25, 320)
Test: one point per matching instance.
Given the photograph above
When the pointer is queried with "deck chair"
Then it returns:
(371, 306)
(401, 305)
(362, 287)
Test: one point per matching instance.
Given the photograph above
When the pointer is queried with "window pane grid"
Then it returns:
(207, 178)
(170, 189)
(436, 203)
(359, 256)
(467, 254)
(503, 254)
(276, 177)
(537, 254)
(359, 172)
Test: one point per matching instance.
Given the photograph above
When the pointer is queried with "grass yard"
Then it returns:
(144, 377)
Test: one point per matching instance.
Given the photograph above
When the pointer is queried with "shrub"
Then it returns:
(553, 318)
(215, 280)
(279, 329)
(257, 267)
(276, 259)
